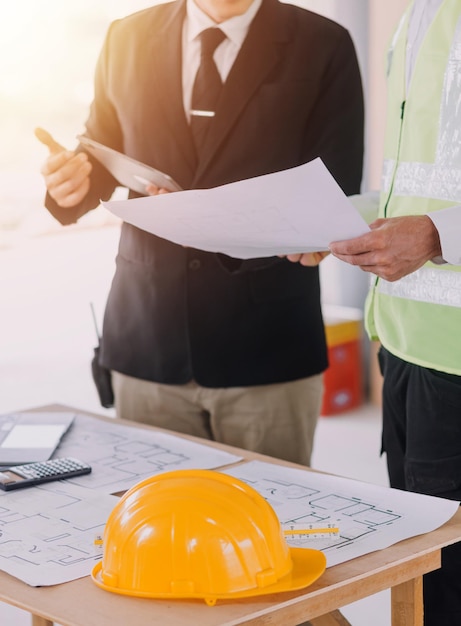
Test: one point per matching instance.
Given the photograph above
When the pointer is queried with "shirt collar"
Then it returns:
(234, 28)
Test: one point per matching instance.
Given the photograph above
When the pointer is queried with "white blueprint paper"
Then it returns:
(47, 533)
(369, 517)
(121, 455)
(301, 209)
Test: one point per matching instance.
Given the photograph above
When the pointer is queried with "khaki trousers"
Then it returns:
(278, 420)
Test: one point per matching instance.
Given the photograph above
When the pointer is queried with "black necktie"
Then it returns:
(207, 86)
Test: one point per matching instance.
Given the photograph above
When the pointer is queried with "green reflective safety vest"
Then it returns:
(418, 318)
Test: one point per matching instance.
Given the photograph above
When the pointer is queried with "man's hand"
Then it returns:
(393, 248)
(308, 259)
(66, 174)
(153, 190)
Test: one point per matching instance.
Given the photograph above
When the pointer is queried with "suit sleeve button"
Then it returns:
(195, 264)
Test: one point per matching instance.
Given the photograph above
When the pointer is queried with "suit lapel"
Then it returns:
(257, 58)
(166, 81)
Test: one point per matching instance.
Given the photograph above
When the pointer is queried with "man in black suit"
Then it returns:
(198, 342)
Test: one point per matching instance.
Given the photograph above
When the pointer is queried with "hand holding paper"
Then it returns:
(293, 211)
(308, 259)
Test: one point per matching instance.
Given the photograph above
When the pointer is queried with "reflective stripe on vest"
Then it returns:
(418, 317)
(426, 285)
(441, 179)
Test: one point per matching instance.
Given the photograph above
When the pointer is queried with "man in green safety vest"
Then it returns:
(413, 252)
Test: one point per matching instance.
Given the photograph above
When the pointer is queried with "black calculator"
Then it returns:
(31, 474)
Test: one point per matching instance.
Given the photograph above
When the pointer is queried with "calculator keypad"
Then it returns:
(53, 467)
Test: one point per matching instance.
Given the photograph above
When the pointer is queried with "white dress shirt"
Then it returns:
(235, 29)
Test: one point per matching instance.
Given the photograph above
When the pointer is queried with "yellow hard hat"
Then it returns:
(199, 534)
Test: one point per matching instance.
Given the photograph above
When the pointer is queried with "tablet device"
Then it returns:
(127, 171)
(31, 437)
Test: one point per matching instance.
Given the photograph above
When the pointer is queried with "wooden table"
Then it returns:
(399, 567)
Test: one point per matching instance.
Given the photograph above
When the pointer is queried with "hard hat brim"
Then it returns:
(308, 566)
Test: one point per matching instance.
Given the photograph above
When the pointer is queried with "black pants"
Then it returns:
(422, 441)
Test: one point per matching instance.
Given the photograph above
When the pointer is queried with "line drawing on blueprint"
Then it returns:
(367, 517)
(47, 533)
(324, 510)
(121, 456)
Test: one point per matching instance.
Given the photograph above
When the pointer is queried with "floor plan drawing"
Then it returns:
(47, 533)
(50, 534)
(121, 455)
(367, 517)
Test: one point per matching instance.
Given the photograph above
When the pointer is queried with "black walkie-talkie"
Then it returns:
(101, 375)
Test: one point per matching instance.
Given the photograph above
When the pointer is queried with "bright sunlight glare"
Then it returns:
(29, 39)
(48, 53)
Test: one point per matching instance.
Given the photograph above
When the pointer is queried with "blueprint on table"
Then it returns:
(47, 533)
(369, 517)
(121, 455)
